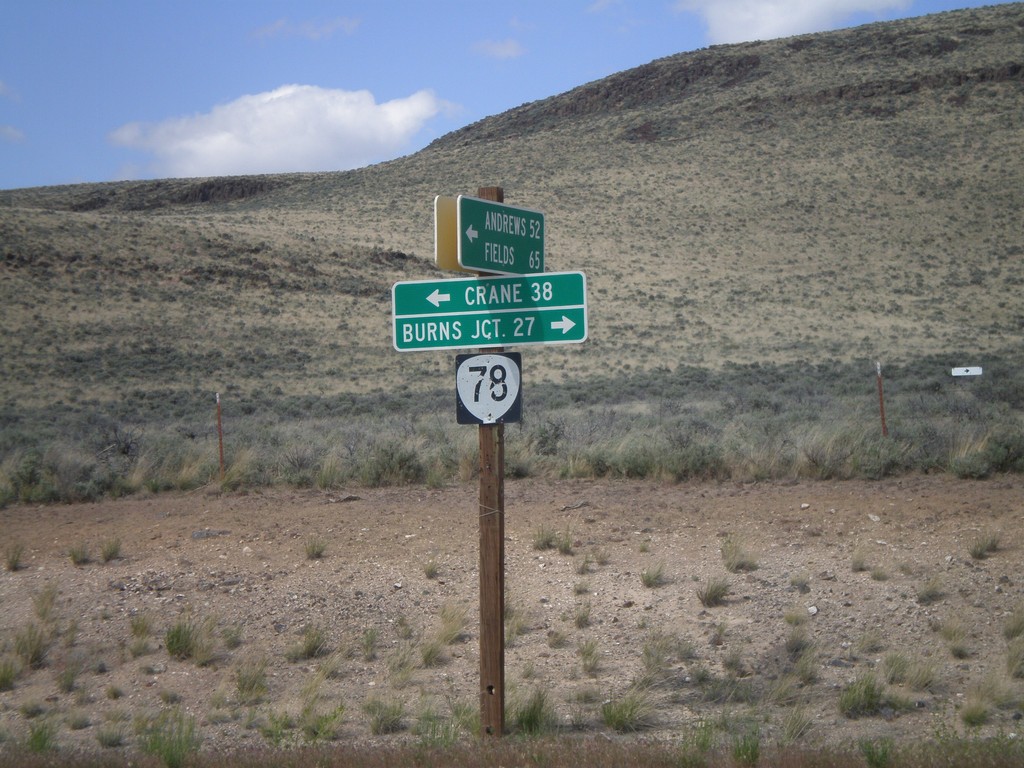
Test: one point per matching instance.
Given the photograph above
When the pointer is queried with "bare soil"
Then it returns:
(240, 560)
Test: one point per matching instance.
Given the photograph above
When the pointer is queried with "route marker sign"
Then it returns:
(974, 370)
(489, 388)
(549, 308)
(496, 238)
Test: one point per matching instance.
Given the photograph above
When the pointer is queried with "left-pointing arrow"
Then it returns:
(471, 233)
(564, 325)
(437, 297)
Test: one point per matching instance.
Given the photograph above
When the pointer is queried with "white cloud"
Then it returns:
(292, 128)
(734, 21)
(499, 49)
(11, 134)
(308, 29)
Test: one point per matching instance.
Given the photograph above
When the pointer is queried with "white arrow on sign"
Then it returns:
(564, 325)
(437, 297)
(472, 234)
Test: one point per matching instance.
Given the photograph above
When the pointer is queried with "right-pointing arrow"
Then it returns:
(564, 325)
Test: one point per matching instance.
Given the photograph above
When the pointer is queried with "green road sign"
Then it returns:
(550, 308)
(497, 238)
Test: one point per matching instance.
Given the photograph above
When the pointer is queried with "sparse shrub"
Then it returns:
(970, 464)
(746, 747)
(659, 653)
(796, 724)
(557, 639)
(827, 453)
(732, 663)
(42, 736)
(797, 642)
(8, 673)
(861, 698)
(432, 653)
(1014, 626)
(697, 744)
(871, 641)
(984, 545)
(319, 726)
(32, 644)
(170, 697)
(633, 711)
(544, 538)
(315, 547)
(877, 753)
(859, 560)
(975, 712)
(13, 554)
(1015, 658)
(182, 639)
(581, 616)
(78, 721)
(110, 550)
(534, 715)
(735, 556)
(653, 576)
(67, 676)
(141, 625)
(331, 473)
(931, 591)
(139, 647)
(391, 463)
(431, 569)
(251, 680)
(232, 636)
(806, 665)
(31, 710)
(385, 715)
(79, 554)
(895, 667)
(954, 632)
(563, 543)
(45, 601)
(110, 737)
(713, 592)
(795, 615)
(312, 645)
(401, 664)
(298, 463)
(920, 675)
(516, 623)
(275, 729)
(589, 657)
(368, 643)
(454, 619)
(172, 737)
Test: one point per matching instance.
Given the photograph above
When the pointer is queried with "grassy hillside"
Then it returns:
(798, 208)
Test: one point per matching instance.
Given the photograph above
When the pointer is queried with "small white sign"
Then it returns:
(489, 388)
(967, 371)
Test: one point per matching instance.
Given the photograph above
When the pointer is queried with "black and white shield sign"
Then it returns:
(489, 388)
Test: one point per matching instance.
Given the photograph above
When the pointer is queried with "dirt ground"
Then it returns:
(239, 562)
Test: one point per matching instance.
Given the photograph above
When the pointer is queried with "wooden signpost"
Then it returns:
(511, 301)
(492, 561)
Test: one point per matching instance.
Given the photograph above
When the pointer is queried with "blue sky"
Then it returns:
(106, 90)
